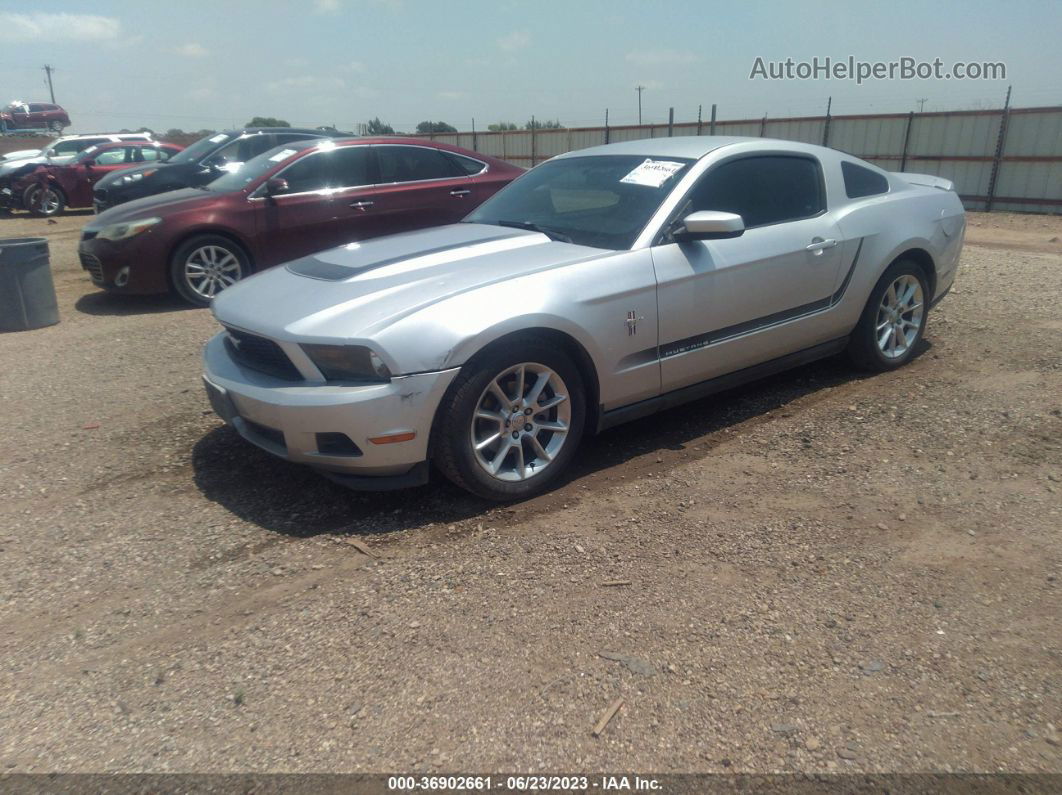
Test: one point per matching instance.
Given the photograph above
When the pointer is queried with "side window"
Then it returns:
(148, 153)
(36, 108)
(64, 148)
(165, 154)
(859, 181)
(287, 138)
(226, 154)
(313, 172)
(254, 145)
(350, 166)
(466, 165)
(763, 190)
(113, 157)
(411, 164)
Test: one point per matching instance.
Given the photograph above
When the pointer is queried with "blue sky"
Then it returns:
(210, 65)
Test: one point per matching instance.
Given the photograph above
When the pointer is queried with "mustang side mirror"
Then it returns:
(275, 186)
(709, 225)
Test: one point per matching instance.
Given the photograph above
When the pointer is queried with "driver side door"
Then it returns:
(728, 304)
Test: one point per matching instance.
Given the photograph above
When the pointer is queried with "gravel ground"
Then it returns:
(825, 571)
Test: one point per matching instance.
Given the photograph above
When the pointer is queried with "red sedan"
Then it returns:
(288, 202)
(33, 116)
(48, 189)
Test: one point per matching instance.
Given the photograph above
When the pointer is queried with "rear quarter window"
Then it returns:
(860, 182)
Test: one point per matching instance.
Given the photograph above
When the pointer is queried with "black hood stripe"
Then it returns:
(330, 272)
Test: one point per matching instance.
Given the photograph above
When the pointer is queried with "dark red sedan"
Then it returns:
(49, 189)
(288, 202)
(33, 116)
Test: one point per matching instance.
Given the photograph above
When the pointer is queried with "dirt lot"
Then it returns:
(827, 571)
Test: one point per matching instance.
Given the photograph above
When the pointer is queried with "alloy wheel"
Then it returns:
(521, 422)
(210, 269)
(899, 319)
(45, 201)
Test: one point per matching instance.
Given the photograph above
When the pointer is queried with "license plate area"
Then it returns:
(220, 401)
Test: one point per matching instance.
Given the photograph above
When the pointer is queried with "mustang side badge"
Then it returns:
(632, 323)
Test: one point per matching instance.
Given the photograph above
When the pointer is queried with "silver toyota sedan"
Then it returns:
(603, 285)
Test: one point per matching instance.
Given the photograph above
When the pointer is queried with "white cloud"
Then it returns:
(650, 85)
(354, 66)
(516, 40)
(192, 49)
(38, 27)
(364, 92)
(296, 63)
(661, 57)
(326, 6)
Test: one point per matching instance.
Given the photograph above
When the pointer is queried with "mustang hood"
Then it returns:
(356, 290)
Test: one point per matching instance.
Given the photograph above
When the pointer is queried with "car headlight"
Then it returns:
(128, 179)
(348, 363)
(128, 229)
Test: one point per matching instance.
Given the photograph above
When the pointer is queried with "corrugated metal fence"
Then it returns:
(1007, 159)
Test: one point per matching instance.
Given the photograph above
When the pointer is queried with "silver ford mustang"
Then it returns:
(605, 284)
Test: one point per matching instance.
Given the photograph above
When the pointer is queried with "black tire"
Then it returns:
(452, 443)
(185, 286)
(863, 346)
(55, 126)
(44, 201)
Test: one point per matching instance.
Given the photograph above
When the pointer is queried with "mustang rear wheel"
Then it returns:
(205, 265)
(894, 319)
(511, 422)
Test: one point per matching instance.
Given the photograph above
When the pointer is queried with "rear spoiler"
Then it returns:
(928, 180)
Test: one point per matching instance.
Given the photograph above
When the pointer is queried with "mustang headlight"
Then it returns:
(348, 363)
(128, 229)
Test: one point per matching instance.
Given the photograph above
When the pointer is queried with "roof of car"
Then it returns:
(689, 146)
(303, 130)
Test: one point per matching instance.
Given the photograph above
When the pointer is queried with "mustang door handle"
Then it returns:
(362, 205)
(818, 244)
(464, 192)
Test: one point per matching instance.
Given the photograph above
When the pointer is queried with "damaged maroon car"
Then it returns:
(49, 189)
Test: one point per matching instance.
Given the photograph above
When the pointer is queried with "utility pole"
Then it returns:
(922, 103)
(48, 71)
(639, 89)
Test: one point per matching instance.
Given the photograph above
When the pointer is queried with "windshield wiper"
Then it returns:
(552, 234)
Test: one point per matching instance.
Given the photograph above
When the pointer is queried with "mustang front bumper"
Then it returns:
(330, 427)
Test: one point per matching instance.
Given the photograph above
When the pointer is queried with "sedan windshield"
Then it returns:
(603, 201)
(200, 148)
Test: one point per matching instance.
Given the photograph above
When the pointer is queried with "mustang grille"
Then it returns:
(261, 354)
(92, 264)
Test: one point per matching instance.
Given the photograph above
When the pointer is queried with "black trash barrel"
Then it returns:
(27, 294)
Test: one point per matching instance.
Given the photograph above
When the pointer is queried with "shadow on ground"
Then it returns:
(102, 303)
(294, 500)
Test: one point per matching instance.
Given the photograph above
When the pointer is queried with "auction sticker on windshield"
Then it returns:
(282, 154)
(217, 139)
(652, 173)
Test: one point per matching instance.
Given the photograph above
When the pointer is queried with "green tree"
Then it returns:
(502, 125)
(266, 121)
(435, 127)
(534, 124)
(175, 132)
(377, 127)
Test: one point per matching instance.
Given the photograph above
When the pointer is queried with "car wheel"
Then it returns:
(43, 201)
(205, 265)
(511, 421)
(893, 320)
(55, 126)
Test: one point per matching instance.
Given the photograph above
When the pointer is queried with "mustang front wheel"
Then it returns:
(511, 421)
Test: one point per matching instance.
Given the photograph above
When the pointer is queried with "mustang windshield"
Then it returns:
(603, 201)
